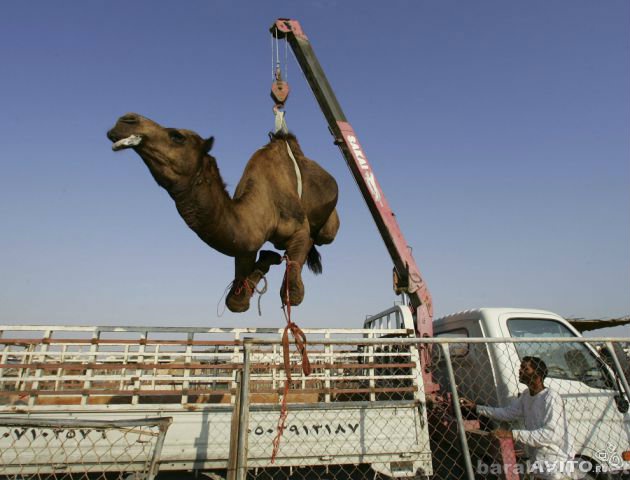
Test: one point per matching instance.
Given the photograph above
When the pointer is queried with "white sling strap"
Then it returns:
(298, 174)
(281, 126)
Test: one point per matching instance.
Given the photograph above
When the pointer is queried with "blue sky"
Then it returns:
(498, 131)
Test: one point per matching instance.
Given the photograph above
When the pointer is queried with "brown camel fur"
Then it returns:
(265, 207)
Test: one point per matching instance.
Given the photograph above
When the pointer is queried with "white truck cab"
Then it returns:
(596, 408)
(487, 372)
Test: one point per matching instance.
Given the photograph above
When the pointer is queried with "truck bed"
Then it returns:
(361, 404)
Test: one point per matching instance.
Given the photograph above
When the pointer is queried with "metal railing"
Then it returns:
(362, 413)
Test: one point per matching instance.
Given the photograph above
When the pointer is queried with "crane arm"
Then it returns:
(407, 277)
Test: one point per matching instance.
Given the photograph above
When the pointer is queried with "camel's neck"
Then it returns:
(208, 210)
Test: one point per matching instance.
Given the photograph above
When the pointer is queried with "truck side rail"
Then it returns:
(395, 318)
(367, 413)
(121, 366)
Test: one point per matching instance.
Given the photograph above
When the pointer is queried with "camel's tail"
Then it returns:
(314, 261)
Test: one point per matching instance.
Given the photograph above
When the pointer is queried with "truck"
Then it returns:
(363, 411)
(380, 401)
(488, 346)
(356, 403)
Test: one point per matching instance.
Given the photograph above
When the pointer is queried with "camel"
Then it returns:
(266, 206)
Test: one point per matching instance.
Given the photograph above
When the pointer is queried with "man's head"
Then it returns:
(532, 370)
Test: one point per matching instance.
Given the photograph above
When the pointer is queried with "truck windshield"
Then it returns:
(565, 361)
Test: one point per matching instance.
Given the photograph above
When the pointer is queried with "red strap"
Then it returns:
(300, 342)
(244, 284)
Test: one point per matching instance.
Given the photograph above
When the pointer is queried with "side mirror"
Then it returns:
(437, 355)
(622, 403)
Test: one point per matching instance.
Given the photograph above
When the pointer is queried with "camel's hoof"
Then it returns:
(296, 291)
(236, 304)
(296, 298)
(237, 300)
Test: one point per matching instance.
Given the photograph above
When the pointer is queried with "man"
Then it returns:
(545, 433)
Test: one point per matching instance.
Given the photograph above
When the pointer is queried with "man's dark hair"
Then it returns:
(538, 365)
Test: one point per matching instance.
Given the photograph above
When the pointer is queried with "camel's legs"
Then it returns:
(245, 283)
(298, 247)
(237, 299)
(266, 259)
(329, 230)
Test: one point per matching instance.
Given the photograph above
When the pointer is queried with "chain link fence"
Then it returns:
(592, 385)
(360, 413)
(363, 413)
(60, 449)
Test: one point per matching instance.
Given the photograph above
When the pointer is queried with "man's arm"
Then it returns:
(512, 412)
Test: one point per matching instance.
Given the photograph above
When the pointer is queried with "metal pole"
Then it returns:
(157, 451)
(234, 429)
(620, 372)
(243, 414)
(458, 413)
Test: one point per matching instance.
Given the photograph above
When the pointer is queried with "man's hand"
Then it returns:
(467, 403)
(502, 433)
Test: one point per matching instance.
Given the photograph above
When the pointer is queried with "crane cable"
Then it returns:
(276, 66)
(279, 85)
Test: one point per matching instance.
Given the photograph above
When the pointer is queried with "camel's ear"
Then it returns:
(207, 144)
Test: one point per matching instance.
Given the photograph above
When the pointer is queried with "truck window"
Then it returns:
(567, 361)
(456, 349)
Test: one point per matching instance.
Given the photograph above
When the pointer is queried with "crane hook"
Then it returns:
(279, 89)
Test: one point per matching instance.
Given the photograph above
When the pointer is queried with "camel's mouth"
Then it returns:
(130, 141)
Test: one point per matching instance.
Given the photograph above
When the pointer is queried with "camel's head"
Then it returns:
(172, 155)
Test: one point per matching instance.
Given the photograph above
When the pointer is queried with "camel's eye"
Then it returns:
(176, 136)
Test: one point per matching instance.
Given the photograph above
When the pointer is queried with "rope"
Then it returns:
(300, 342)
(286, 60)
(273, 75)
(261, 292)
(277, 54)
(276, 66)
(221, 302)
(247, 285)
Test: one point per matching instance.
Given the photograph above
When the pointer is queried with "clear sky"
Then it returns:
(499, 132)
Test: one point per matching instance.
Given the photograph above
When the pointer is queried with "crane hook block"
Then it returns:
(279, 88)
(279, 91)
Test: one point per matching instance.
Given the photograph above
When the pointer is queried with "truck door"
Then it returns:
(470, 357)
(599, 429)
